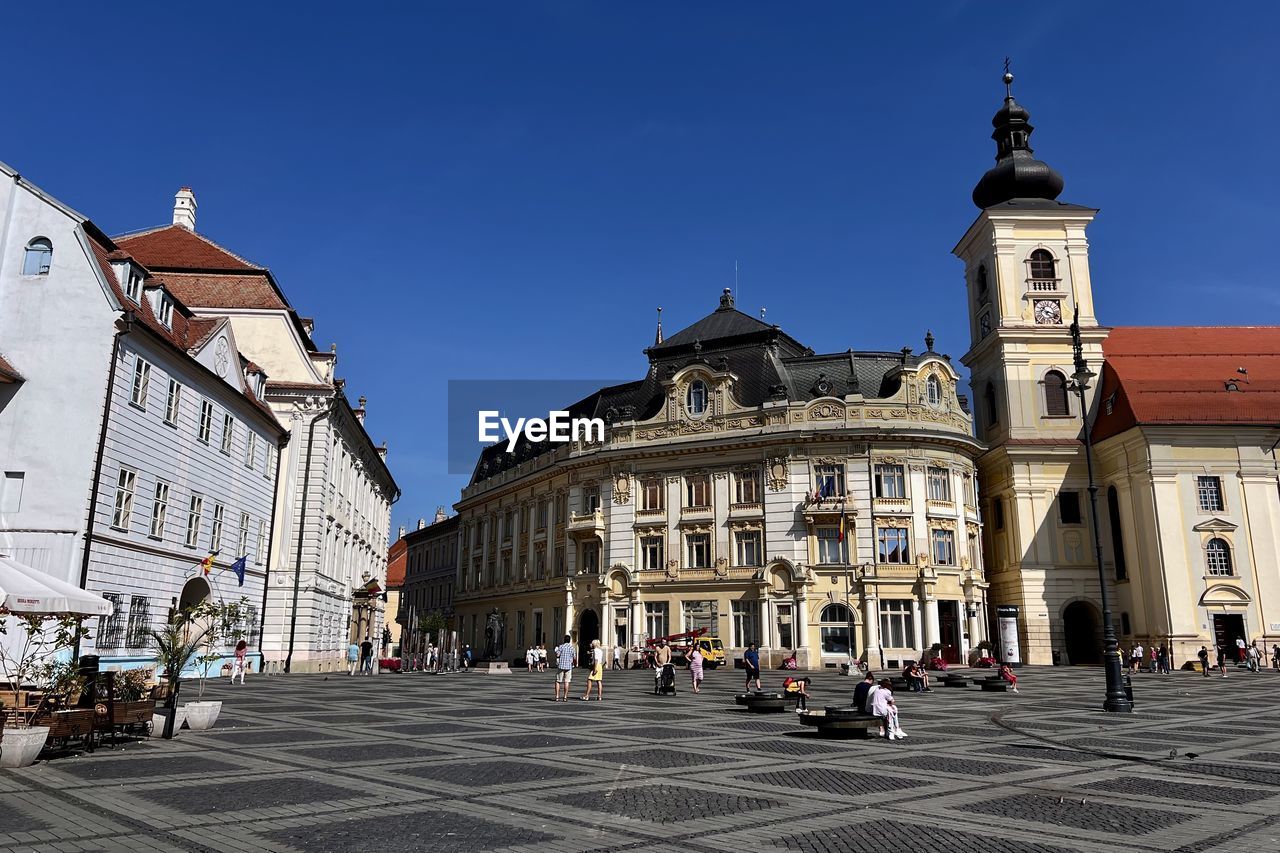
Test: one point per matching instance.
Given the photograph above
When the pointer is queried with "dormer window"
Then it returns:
(164, 309)
(133, 284)
(696, 398)
(933, 391)
(38, 258)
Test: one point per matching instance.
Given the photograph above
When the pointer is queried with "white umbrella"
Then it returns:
(27, 590)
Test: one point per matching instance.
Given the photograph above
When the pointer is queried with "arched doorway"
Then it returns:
(588, 630)
(194, 591)
(836, 630)
(1082, 627)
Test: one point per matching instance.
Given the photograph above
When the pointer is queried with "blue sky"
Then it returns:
(508, 190)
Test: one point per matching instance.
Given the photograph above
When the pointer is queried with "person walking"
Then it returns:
(566, 660)
(751, 661)
(1255, 657)
(353, 657)
(542, 657)
(661, 656)
(1240, 649)
(1203, 654)
(366, 657)
(530, 658)
(695, 669)
(596, 675)
(1135, 662)
(238, 666)
(1162, 660)
(1275, 657)
(1222, 660)
(617, 658)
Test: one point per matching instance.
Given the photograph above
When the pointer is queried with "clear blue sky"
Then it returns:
(507, 190)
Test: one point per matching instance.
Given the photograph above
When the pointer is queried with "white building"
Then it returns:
(132, 436)
(332, 518)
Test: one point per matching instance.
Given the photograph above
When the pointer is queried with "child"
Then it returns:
(797, 688)
(1007, 674)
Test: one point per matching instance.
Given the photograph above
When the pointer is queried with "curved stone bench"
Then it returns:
(840, 722)
(954, 681)
(762, 701)
(995, 684)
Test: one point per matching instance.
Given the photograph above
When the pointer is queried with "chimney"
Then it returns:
(422, 522)
(382, 451)
(441, 515)
(360, 410)
(184, 209)
(402, 532)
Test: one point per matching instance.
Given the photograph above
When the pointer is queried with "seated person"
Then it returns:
(1006, 672)
(797, 689)
(912, 675)
(790, 663)
(860, 692)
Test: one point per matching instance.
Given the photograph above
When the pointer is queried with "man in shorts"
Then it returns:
(566, 660)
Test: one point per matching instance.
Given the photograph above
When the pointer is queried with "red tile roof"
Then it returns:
(7, 371)
(174, 247)
(1179, 375)
(397, 558)
(222, 290)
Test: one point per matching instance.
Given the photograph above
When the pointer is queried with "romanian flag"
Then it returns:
(372, 587)
(840, 538)
(206, 565)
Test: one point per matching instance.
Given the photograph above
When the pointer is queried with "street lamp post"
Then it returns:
(1117, 699)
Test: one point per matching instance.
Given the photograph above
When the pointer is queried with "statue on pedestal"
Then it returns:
(493, 635)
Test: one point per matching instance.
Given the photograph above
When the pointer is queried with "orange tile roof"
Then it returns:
(174, 247)
(7, 371)
(397, 559)
(222, 290)
(1178, 376)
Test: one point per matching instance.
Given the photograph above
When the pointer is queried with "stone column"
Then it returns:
(871, 627)
(933, 633)
(917, 622)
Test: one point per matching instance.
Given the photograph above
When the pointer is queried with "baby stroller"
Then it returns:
(665, 679)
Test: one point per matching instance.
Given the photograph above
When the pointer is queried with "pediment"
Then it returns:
(1222, 593)
(1214, 525)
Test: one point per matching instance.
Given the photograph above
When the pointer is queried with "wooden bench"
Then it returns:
(840, 722)
(762, 701)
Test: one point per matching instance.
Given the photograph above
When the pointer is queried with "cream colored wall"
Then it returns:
(269, 340)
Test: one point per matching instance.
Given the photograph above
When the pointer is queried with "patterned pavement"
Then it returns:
(472, 762)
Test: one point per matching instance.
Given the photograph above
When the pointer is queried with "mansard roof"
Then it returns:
(1189, 376)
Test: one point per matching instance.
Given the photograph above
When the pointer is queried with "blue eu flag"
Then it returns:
(238, 568)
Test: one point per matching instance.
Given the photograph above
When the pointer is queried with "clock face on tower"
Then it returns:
(1048, 312)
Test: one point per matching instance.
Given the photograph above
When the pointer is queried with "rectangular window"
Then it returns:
(173, 405)
(133, 285)
(655, 619)
(897, 624)
(828, 481)
(700, 613)
(111, 626)
(242, 543)
(1069, 507)
(139, 622)
(651, 548)
(160, 509)
(269, 469)
(205, 429)
(124, 484)
(620, 628)
(651, 494)
(970, 492)
(944, 548)
(892, 545)
(590, 557)
(890, 482)
(166, 311)
(1209, 494)
(557, 623)
(590, 499)
(940, 485)
(540, 564)
(260, 554)
(746, 485)
(194, 512)
(698, 550)
(746, 623)
(215, 537)
(228, 433)
(697, 490)
(251, 450)
(11, 498)
(141, 381)
(830, 548)
(748, 547)
(542, 515)
(784, 625)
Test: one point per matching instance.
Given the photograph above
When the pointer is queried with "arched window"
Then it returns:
(982, 279)
(1217, 556)
(835, 621)
(1117, 539)
(1055, 394)
(696, 399)
(933, 391)
(38, 258)
(1042, 265)
(993, 411)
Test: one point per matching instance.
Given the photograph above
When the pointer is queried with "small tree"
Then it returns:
(45, 635)
(175, 648)
(224, 624)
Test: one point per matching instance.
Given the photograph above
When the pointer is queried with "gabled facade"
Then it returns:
(333, 514)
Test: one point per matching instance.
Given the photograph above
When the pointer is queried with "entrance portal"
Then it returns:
(588, 630)
(949, 628)
(1227, 627)
(1082, 625)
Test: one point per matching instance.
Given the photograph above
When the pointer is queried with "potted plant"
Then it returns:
(176, 646)
(44, 636)
(223, 628)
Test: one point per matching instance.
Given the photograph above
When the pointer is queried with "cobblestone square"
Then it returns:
(473, 762)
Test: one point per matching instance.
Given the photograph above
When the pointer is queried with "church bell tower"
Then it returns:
(1026, 262)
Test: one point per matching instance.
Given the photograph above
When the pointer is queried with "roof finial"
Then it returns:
(726, 299)
(1008, 79)
(762, 310)
(928, 340)
(657, 339)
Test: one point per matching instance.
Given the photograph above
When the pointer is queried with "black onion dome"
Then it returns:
(1016, 174)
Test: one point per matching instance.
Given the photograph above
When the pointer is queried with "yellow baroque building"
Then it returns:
(821, 504)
